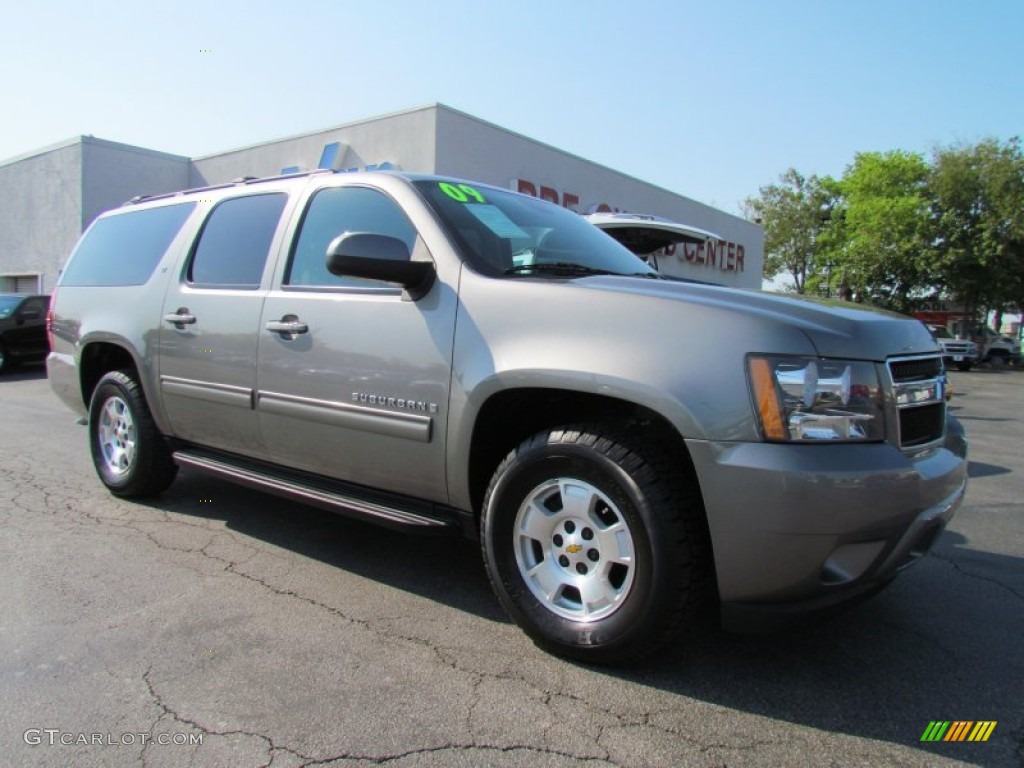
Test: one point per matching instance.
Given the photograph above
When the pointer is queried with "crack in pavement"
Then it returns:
(457, 747)
(167, 711)
(961, 570)
(274, 749)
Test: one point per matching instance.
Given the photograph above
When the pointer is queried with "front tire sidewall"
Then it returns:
(597, 640)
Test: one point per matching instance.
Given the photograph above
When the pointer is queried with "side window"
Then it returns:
(235, 241)
(124, 249)
(38, 306)
(333, 212)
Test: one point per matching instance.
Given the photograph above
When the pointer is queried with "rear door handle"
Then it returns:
(289, 325)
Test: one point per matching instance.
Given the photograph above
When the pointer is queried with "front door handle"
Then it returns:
(289, 326)
(180, 317)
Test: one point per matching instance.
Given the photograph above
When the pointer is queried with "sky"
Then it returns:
(709, 99)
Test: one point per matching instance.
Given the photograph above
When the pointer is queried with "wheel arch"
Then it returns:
(99, 357)
(509, 416)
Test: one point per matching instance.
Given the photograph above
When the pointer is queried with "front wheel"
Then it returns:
(128, 451)
(595, 544)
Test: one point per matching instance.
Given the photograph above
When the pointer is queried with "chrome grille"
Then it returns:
(919, 392)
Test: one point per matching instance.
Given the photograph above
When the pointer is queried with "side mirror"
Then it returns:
(379, 257)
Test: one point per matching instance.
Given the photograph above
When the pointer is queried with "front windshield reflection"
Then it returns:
(502, 233)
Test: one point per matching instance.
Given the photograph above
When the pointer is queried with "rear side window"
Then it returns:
(235, 241)
(125, 249)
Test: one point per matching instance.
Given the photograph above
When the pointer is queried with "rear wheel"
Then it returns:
(128, 451)
(595, 547)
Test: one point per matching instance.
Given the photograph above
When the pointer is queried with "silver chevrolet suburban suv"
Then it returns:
(442, 356)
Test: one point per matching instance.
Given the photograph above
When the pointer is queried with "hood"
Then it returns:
(646, 234)
(836, 329)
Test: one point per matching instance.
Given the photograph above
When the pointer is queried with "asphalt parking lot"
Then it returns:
(219, 627)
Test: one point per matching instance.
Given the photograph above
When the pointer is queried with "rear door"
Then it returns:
(210, 325)
(354, 377)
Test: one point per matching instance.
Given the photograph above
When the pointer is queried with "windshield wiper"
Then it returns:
(558, 268)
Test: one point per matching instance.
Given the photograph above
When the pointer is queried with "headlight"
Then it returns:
(805, 399)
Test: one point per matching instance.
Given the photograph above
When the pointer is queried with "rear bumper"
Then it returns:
(62, 371)
(799, 529)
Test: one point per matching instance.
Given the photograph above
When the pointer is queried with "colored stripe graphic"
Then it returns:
(958, 731)
(982, 730)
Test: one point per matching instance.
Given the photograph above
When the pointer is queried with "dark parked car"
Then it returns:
(22, 328)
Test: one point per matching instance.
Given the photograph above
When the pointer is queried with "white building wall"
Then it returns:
(40, 219)
(471, 148)
(52, 195)
(405, 139)
(114, 173)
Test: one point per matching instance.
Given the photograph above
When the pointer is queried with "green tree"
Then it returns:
(795, 214)
(978, 202)
(885, 251)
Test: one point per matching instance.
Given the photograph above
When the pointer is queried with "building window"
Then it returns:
(24, 283)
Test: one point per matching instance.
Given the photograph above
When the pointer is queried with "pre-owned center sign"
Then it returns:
(723, 255)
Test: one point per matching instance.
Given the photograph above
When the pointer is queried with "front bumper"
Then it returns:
(801, 528)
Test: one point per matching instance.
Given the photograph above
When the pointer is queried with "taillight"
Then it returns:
(49, 319)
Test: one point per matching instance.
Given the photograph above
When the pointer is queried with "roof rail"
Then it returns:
(232, 183)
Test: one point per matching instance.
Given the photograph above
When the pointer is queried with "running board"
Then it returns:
(411, 515)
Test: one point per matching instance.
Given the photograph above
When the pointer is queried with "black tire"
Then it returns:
(963, 366)
(628, 486)
(999, 358)
(128, 451)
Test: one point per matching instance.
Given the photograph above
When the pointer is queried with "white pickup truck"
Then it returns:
(963, 353)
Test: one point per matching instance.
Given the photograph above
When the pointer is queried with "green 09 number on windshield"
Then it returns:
(461, 192)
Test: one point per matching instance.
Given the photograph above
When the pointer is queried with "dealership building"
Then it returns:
(52, 194)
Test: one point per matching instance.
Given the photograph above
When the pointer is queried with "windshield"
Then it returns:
(504, 233)
(8, 304)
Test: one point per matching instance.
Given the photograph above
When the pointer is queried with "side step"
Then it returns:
(390, 510)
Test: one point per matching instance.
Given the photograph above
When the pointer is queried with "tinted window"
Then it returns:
(235, 241)
(333, 212)
(125, 249)
(39, 306)
(8, 304)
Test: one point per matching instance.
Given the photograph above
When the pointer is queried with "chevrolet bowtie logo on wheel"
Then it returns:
(958, 730)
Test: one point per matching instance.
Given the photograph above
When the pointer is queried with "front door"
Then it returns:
(353, 378)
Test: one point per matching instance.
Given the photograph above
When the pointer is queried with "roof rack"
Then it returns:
(233, 183)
